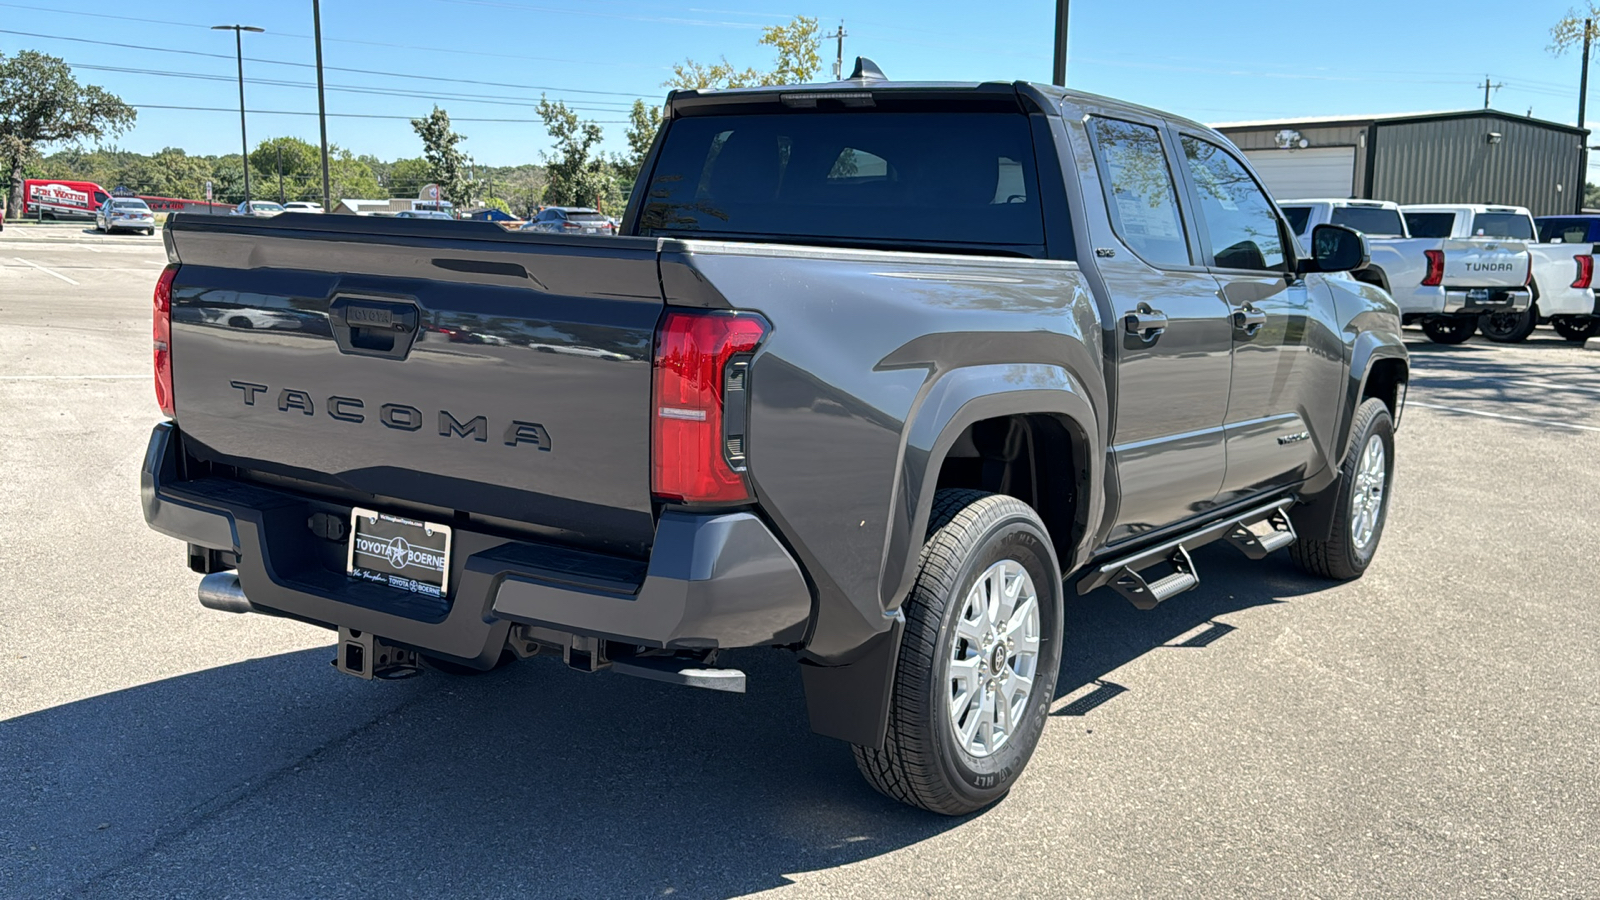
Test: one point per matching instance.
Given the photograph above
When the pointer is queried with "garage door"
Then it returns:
(1312, 173)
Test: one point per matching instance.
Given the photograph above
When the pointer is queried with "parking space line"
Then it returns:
(1558, 386)
(44, 270)
(70, 377)
(1553, 423)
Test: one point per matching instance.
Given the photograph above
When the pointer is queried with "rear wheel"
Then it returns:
(979, 658)
(1449, 329)
(1576, 328)
(1360, 498)
(1508, 327)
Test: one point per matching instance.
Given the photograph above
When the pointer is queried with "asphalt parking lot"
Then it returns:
(1429, 731)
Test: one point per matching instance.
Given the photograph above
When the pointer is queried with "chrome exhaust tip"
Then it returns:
(221, 591)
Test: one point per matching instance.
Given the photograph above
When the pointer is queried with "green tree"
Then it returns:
(168, 173)
(797, 44)
(301, 169)
(578, 176)
(1567, 33)
(407, 176)
(350, 176)
(42, 104)
(643, 123)
(447, 166)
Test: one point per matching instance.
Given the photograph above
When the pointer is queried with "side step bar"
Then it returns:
(1245, 531)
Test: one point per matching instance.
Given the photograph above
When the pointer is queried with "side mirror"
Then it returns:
(1335, 248)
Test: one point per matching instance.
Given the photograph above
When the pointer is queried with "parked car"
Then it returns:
(125, 212)
(1561, 280)
(1444, 284)
(875, 432)
(570, 220)
(306, 206)
(258, 208)
(424, 214)
(1580, 229)
(55, 199)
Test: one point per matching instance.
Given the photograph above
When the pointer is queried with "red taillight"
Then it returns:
(1585, 271)
(700, 389)
(1435, 275)
(161, 334)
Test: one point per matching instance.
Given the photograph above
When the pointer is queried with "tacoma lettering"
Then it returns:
(398, 416)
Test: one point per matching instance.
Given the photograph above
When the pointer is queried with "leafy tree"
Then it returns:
(797, 44)
(578, 176)
(643, 123)
(349, 176)
(497, 203)
(169, 173)
(301, 168)
(407, 176)
(1591, 195)
(447, 166)
(1567, 34)
(41, 104)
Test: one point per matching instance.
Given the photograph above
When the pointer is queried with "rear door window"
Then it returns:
(1376, 221)
(861, 177)
(1140, 191)
(1513, 226)
(1430, 224)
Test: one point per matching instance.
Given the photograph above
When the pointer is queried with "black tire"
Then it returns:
(1338, 556)
(149, 232)
(1449, 329)
(922, 763)
(1576, 328)
(1508, 327)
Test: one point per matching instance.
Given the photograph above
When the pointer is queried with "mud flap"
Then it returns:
(851, 702)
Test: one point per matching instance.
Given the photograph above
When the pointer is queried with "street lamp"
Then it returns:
(244, 142)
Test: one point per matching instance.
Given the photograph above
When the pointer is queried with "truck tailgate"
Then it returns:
(441, 364)
(1485, 264)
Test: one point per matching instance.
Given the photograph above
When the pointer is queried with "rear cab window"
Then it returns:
(1376, 221)
(964, 180)
(1513, 226)
(1568, 231)
(1430, 224)
(1140, 191)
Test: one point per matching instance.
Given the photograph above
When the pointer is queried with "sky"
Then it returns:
(487, 62)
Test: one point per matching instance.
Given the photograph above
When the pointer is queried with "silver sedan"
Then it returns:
(124, 212)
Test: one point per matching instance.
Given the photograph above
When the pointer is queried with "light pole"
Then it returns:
(1058, 75)
(244, 142)
(322, 106)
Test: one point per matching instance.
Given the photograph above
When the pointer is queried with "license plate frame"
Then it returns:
(404, 554)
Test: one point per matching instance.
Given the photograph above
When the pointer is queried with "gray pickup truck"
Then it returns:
(875, 374)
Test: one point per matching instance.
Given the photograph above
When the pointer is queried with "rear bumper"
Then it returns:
(1502, 300)
(716, 580)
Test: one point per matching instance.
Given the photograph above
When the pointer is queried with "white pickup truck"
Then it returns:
(1446, 284)
(1562, 277)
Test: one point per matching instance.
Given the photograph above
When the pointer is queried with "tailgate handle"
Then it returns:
(370, 326)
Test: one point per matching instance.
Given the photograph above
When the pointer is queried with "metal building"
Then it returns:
(1474, 156)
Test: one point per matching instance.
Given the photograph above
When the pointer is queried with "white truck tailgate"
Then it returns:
(1485, 264)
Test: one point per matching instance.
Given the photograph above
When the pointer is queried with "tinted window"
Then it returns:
(1503, 225)
(1570, 231)
(129, 204)
(1430, 225)
(1241, 226)
(958, 178)
(589, 217)
(1298, 216)
(1140, 191)
(1376, 221)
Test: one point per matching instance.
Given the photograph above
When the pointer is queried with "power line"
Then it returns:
(283, 34)
(299, 65)
(297, 112)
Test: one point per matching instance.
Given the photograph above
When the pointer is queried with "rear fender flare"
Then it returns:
(957, 400)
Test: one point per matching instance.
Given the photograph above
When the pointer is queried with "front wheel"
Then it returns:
(1576, 328)
(1508, 327)
(1360, 498)
(1449, 329)
(978, 661)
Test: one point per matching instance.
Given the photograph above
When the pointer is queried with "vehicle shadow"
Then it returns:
(277, 777)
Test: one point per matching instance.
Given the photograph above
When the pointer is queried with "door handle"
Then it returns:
(1249, 320)
(1146, 323)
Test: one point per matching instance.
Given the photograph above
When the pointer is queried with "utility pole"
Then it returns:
(244, 142)
(1488, 87)
(838, 58)
(1059, 75)
(322, 104)
(281, 198)
(1583, 106)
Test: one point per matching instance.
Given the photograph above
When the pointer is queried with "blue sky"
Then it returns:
(1215, 62)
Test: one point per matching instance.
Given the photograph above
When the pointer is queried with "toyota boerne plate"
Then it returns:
(402, 553)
